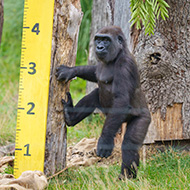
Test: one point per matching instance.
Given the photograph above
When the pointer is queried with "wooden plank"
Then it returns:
(169, 129)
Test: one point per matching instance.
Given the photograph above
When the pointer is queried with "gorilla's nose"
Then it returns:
(100, 48)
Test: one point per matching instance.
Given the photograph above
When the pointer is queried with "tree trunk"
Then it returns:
(164, 64)
(1, 18)
(67, 19)
(109, 15)
(100, 17)
(122, 7)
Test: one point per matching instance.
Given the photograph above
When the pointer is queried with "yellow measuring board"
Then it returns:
(33, 85)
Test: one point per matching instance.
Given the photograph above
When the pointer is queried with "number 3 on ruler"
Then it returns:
(36, 28)
(32, 68)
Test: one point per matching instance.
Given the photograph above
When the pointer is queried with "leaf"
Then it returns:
(162, 15)
(156, 9)
(138, 25)
(163, 9)
(135, 21)
(165, 4)
(147, 12)
(158, 14)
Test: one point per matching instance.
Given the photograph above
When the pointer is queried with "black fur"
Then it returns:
(118, 95)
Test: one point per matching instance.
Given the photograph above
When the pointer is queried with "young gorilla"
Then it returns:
(118, 95)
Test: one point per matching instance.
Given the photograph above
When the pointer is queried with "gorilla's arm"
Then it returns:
(65, 73)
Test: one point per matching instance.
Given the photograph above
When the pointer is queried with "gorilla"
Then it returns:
(118, 96)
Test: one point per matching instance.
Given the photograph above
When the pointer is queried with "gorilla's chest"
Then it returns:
(105, 75)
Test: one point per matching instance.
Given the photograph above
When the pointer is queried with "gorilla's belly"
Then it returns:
(105, 95)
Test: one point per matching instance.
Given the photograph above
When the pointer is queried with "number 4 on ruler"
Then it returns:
(36, 28)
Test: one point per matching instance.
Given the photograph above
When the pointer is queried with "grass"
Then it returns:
(163, 170)
(9, 73)
(11, 43)
(90, 127)
(169, 170)
(8, 112)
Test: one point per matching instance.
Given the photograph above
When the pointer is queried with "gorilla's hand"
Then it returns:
(105, 146)
(64, 73)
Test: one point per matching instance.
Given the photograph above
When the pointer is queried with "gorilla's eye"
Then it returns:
(120, 39)
(106, 41)
(97, 40)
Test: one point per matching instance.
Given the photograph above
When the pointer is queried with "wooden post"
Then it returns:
(67, 19)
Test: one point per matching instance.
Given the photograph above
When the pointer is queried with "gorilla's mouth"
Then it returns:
(101, 54)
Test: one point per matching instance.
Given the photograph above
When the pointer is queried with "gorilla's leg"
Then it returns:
(74, 114)
(136, 131)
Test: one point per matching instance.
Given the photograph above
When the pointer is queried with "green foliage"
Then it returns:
(78, 87)
(84, 33)
(145, 12)
(9, 170)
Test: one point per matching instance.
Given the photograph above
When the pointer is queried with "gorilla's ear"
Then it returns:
(120, 39)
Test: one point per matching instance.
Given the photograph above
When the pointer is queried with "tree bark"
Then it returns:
(67, 19)
(164, 64)
(1, 19)
(100, 17)
(122, 7)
